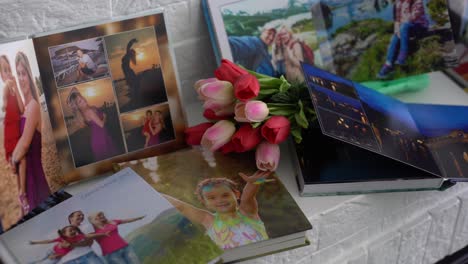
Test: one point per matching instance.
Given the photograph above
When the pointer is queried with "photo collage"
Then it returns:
(430, 137)
(112, 94)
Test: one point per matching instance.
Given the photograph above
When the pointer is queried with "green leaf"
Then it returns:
(296, 133)
(282, 111)
(301, 119)
(257, 124)
(285, 85)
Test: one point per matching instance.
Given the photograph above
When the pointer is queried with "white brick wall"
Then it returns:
(401, 228)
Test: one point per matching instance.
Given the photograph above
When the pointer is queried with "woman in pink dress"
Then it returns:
(114, 248)
(102, 145)
(29, 145)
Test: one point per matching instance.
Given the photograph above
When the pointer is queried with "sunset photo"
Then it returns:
(92, 122)
(136, 69)
(147, 127)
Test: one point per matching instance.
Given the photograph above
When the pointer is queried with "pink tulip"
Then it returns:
(219, 108)
(267, 156)
(218, 135)
(239, 112)
(252, 111)
(221, 92)
(202, 82)
(256, 111)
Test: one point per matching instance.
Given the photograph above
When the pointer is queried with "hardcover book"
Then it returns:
(361, 40)
(104, 223)
(77, 100)
(246, 213)
(372, 142)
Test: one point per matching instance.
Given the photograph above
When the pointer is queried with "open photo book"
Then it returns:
(373, 142)
(104, 224)
(78, 100)
(247, 213)
(361, 40)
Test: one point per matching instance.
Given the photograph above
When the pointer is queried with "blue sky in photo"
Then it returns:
(439, 120)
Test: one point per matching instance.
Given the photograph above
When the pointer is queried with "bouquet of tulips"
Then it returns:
(250, 111)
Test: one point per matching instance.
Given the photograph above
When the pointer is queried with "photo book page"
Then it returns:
(360, 40)
(106, 225)
(75, 102)
(433, 138)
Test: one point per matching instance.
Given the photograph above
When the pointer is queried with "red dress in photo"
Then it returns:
(11, 125)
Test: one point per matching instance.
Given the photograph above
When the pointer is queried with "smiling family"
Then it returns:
(73, 244)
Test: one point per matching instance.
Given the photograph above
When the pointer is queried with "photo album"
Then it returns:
(105, 223)
(239, 208)
(77, 101)
(361, 40)
(431, 140)
(459, 18)
(89, 101)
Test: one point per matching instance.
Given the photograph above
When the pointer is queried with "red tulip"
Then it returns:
(246, 87)
(246, 138)
(211, 114)
(276, 129)
(267, 156)
(229, 71)
(193, 135)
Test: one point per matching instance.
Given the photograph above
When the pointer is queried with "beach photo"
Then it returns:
(79, 61)
(383, 40)
(147, 127)
(270, 39)
(250, 202)
(92, 121)
(106, 225)
(29, 162)
(136, 68)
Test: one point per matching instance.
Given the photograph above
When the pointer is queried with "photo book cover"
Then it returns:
(106, 225)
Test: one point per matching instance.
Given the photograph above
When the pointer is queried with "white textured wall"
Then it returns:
(402, 228)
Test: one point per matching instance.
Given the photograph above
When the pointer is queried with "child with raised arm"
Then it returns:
(233, 223)
(68, 236)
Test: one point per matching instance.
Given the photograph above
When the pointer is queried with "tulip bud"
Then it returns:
(202, 82)
(218, 135)
(246, 87)
(276, 129)
(267, 156)
(256, 111)
(193, 135)
(219, 91)
(229, 71)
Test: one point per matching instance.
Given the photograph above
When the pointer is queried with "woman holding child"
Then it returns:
(29, 146)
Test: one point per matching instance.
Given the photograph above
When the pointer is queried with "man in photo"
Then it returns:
(87, 67)
(252, 51)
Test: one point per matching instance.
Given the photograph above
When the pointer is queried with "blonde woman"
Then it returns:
(156, 126)
(30, 142)
(293, 55)
(102, 145)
